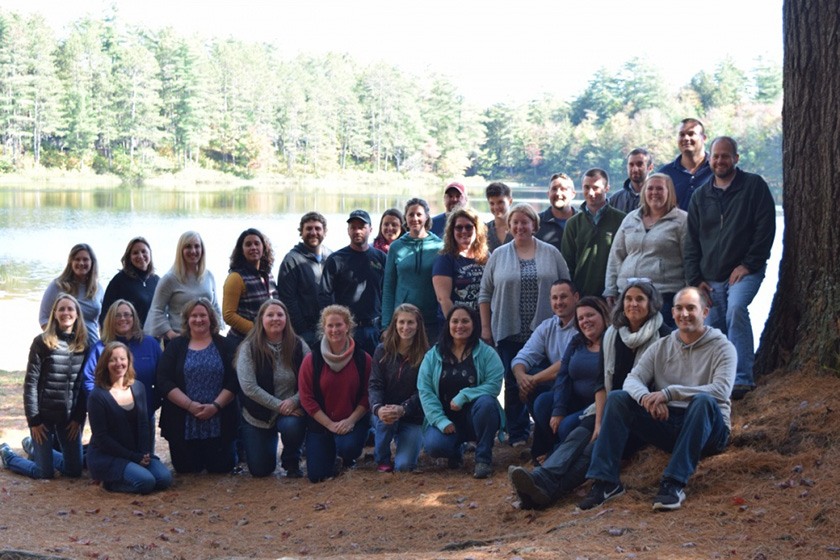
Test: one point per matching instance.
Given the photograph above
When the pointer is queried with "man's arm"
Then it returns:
(765, 227)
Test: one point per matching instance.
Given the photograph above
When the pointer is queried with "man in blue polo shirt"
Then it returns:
(691, 168)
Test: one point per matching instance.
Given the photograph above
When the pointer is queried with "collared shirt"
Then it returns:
(598, 215)
(686, 182)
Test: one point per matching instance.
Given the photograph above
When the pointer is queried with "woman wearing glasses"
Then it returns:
(457, 272)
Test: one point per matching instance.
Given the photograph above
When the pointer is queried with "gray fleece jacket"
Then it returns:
(683, 370)
(656, 254)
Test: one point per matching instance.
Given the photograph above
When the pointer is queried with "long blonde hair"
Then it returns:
(80, 337)
(109, 324)
(180, 267)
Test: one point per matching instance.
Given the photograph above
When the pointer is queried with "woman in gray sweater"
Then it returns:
(649, 245)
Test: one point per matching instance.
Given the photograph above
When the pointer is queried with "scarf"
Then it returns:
(336, 362)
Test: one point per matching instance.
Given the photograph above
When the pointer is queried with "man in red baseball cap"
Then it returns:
(455, 194)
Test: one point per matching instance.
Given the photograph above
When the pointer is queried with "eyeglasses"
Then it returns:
(126, 315)
(464, 227)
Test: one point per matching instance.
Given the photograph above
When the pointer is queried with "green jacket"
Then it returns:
(586, 248)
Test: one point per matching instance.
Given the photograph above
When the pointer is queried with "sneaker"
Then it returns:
(530, 495)
(385, 468)
(6, 454)
(670, 495)
(483, 470)
(601, 492)
(518, 443)
(26, 444)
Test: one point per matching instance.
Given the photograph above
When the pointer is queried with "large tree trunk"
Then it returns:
(804, 324)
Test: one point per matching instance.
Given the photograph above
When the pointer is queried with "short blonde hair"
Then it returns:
(528, 210)
(341, 311)
(670, 202)
(109, 323)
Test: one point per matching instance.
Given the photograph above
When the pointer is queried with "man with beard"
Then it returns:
(455, 194)
(691, 168)
(639, 164)
(299, 279)
(731, 226)
(561, 193)
(353, 278)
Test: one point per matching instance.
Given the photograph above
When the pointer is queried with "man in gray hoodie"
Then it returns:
(686, 413)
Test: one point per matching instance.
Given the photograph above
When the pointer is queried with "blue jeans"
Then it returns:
(688, 434)
(730, 314)
(516, 412)
(137, 479)
(544, 439)
(478, 422)
(45, 460)
(409, 439)
(323, 447)
(261, 445)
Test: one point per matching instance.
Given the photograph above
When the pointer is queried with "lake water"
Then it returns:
(38, 228)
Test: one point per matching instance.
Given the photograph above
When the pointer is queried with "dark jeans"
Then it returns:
(46, 460)
(565, 469)
(688, 434)
(323, 447)
(516, 412)
(479, 421)
(261, 444)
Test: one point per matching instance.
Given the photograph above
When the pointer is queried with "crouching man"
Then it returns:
(692, 372)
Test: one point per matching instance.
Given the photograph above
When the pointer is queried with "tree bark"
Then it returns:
(803, 329)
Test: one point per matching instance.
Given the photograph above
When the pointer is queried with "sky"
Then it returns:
(492, 50)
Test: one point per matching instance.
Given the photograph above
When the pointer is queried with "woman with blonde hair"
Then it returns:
(53, 399)
(392, 390)
(333, 386)
(80, 278)
(457, 271)
(186, 281)
(649, 244)
(120, 450)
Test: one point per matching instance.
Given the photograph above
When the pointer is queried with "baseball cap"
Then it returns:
(457, 186)
(359, 215)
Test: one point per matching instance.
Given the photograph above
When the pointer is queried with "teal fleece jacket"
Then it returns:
(408, 276)
(490, 374)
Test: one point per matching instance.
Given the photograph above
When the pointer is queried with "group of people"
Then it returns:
(616, 323)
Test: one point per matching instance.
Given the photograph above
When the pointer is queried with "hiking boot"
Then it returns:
(670, 495)
(483, 470)
(740, 391)
(529, 493)
(601, 491)
(6, 454)
(28, 448)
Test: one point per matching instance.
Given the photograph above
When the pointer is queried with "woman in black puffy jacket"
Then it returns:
(53, 399)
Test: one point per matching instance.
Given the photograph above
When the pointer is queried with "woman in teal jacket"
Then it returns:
(459, 383)
(408, 270)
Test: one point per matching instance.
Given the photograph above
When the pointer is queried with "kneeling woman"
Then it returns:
(333, 385)
(267, 365)
(120, 448)
(393, 390)
(459, 383)
(196, 379)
